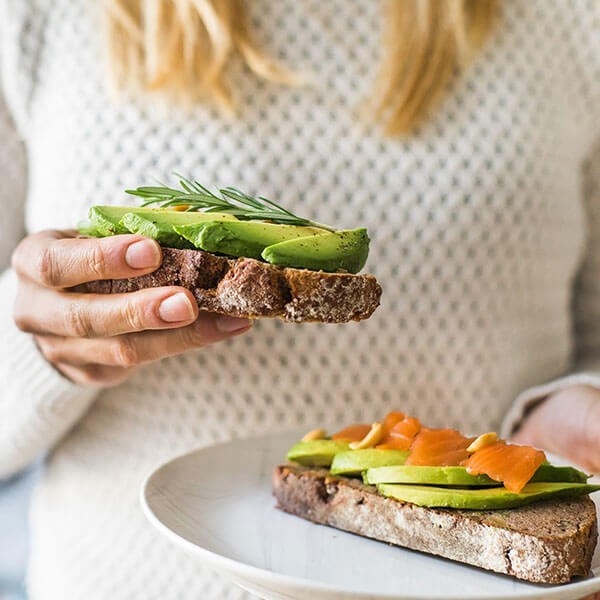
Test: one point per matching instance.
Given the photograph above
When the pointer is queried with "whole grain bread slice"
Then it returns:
(547, 542)
(245, 287)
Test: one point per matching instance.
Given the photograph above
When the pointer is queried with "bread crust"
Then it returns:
(245, 287)
(548, 542)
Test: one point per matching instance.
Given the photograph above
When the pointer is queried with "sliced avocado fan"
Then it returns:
(303, 247)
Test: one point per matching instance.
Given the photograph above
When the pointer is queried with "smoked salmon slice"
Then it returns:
(353, 433)
(400, 436)
(390, 420)
(438, 448)
(509, 464)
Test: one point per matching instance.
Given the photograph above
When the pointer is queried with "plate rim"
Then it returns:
(230, 566)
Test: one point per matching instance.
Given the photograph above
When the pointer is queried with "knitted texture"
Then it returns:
(12, 170)
(480, 223)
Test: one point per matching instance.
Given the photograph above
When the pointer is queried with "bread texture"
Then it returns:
(548, 542)
(245, 287)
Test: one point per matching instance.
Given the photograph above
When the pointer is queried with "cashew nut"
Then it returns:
(314, 434)
(485, 439)
(372, 438)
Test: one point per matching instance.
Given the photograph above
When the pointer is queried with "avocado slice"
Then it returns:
(482, 499)
(243, 238)
(87, 228)
(426, 475)
(345, 250)
(459, 476)
(105, 219)
(354, 462)
(550, 473)
(316, 453)
(160, 224)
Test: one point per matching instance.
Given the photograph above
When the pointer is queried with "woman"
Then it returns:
(482, 201)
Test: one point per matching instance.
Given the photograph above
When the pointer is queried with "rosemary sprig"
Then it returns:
(229, 200)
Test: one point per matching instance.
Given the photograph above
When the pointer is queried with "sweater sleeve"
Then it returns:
(37, 404)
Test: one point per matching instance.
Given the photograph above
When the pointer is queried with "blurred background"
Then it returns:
(15, 495)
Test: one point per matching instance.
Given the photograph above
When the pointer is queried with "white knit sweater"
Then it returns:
(480, 225)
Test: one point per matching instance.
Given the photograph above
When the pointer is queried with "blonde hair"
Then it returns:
(184, 46)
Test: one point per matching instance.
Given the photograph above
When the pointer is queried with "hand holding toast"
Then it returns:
(96, 339)
(567, 423)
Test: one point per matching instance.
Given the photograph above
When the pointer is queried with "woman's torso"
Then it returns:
(476, 225)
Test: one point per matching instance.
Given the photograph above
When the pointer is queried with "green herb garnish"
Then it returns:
(230, 200)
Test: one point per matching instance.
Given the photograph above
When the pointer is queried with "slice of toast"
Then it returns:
(548, 542)
(245, 287)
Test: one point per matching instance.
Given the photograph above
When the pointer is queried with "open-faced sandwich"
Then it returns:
(244, 256)
(477, 500)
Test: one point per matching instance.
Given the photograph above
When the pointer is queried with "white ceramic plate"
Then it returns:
(216, 503)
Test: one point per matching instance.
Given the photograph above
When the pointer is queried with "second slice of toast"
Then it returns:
(548, 542)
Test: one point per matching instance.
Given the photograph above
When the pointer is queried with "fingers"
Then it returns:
(132, 350)
(54, 259)
(97, 376)
(44, 311)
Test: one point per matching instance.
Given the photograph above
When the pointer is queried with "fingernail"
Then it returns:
(229, 324)
(176, 308)
(143, 255)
